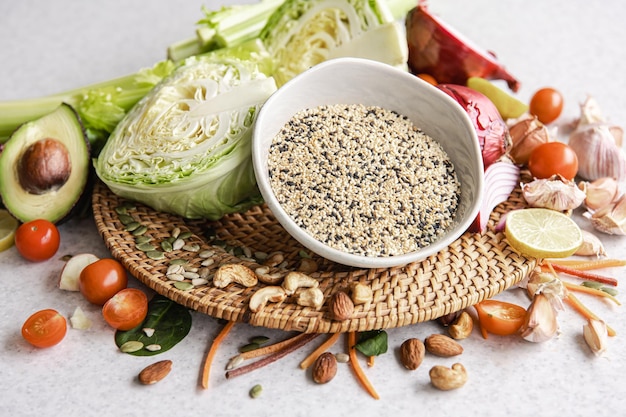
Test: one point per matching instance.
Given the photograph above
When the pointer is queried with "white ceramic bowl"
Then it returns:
(360, 81)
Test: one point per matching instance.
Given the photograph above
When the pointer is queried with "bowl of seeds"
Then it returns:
(367, 165)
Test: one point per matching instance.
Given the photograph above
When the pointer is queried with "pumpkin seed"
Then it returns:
(592, 284)
(303, 254)
(256, 391)
(248, 347)
(131, 346)
(145, 247)
(132, 226)
(125, 219)
(142, 239)
(183, 285)
(179, 261)
(140, 230)
(178, 244)
(260, 340)
(121, 210)
(176, 232)
(153, 347)
(167, 246)
(609, 290)
(155, 254)
(185, 235)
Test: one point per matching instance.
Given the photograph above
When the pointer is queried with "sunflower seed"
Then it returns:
(206, 254)
(153, 347)
(208, 262)
(192, 247)
(176, 232)
(178, 244)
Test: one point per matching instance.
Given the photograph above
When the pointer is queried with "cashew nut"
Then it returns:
(260, 298)
(447, 379)
(238, 273)
(360, 293)
(295, 280)
(311, 297)
(263, 273)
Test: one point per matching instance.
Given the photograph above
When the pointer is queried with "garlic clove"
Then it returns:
(556, 193)
(600, 193)
(590, 112)
(541, 322)
(526, 134)
(612, 218)
(596, 334)
(592, 245)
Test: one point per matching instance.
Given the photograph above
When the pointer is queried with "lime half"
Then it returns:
(8, 225)
(542, 233)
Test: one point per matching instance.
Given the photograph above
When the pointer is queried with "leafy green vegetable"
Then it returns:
(185, 148)
(372, 343)
(171, 323)
(303, 33)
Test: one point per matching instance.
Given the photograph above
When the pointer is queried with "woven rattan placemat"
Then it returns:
(473, 268)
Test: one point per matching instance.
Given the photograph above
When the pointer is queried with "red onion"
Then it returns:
(493, 134)
(501, 178)
(436, 49)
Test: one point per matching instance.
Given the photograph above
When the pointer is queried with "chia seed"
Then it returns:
(363, 179)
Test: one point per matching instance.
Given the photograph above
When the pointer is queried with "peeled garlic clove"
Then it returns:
(612, 218)
(598, 154)
(556, 193)
(540, 323)
(591, 246)
(526, 135)
(600, 193)
(596, 335)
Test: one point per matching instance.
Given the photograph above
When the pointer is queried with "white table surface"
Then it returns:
(574, 45)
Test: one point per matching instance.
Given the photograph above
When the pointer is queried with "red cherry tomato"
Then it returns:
(44, 328)
(126, 310)
(37, 240)
(546, 104)
(499, 317)
(553, 158)
(101, 280)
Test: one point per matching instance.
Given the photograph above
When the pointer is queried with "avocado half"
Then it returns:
(45, 166)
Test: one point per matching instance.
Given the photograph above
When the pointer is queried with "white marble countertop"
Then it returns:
(47, 47)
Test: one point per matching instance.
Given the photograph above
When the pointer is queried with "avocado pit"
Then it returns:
(44, 166)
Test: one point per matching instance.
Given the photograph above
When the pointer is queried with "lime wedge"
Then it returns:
(8, 225)
(508, 106)
(542, 233)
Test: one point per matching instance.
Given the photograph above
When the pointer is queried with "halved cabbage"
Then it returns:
(185, 147)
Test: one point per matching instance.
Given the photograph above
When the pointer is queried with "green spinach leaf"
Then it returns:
(171, 323)
(372, 343)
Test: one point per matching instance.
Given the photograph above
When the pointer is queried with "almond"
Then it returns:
(340, 306)
(152, 374)
(442, 345)
(324, 368)
(412, 353)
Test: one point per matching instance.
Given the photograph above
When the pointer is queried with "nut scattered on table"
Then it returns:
(446, 379)
(269, 294)
(238, 273)
(340, 306)
(442, 345)
(361, 293)
(412, 353)
(462, 327)
(324, 368)
(152, 374)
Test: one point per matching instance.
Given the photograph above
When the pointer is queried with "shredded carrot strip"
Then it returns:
(589, 290)
(588, 264)
(206, 368)
(582, 274)
(308, 361)
(358, 371)
(584, 311)
(371, 360)
(266, 350)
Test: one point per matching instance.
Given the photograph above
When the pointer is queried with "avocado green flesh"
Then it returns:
(62, 124)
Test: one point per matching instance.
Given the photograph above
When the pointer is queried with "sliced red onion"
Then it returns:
(438, 50)
(501, 178)
(493, 133)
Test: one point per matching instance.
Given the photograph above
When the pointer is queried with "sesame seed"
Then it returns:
(363, 179)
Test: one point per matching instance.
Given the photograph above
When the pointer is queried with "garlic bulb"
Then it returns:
(597, 144)
(612, 218)
(556, 193)
(600, 193)
(540, 323)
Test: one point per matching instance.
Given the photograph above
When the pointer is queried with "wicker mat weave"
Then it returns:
(473, 268)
